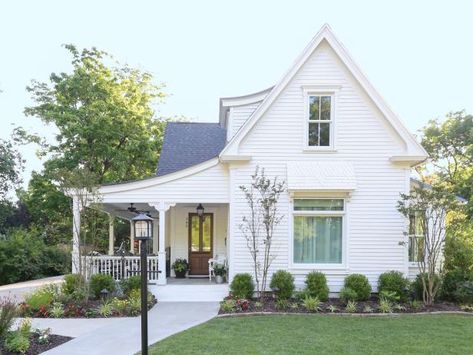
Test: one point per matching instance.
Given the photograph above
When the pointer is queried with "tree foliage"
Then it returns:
(11, 165)
(104, 117)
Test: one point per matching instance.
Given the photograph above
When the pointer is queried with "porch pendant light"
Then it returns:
(200, 210)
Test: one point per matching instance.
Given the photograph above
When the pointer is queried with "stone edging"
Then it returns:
(249, 314)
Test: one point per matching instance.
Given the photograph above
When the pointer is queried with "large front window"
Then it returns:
(416, 237)
(318, 231)
(320, 121)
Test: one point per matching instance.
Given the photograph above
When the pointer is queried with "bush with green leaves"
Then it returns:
(57, 310)
(351, 307)
(394, 281)
(389, 296)
(17, 342)
(228, 305)
(347, 295)
(130, 284)
(8, 312)
(360, 284)
(316, 285)
(282, 282)
(100, 282)
(25, 256)
(416, 288)
(72, 282)
(42, 297)
(385, 306)
(464, 293)
(105, 309)
(242, 286)
(311, 304)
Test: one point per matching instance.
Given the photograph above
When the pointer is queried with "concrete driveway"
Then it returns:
(18, 290)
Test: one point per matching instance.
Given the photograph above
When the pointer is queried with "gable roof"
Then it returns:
(187, 144)
(415, 153)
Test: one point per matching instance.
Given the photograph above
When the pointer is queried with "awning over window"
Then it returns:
(321, 176)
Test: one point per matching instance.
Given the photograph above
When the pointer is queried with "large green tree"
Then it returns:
(450, 145)
(104, 115)
(11, 165)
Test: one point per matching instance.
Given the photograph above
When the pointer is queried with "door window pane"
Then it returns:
(317, 240)
(195, 244)
(206, 234)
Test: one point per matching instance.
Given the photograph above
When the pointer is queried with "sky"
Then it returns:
(417, 54)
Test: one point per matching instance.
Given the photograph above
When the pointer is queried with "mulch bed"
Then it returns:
(36, 348)
(271, 306)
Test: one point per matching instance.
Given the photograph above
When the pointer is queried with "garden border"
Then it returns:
(343, 314)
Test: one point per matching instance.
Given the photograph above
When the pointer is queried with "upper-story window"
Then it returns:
(320, 121)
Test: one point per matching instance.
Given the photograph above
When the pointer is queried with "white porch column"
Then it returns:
(156, 236)
(76, 208)
(111, 233)
(132, 237)
(162, 207)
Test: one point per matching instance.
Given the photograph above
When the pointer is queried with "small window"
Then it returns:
(318, 231)
(416, 237)
(320, 121)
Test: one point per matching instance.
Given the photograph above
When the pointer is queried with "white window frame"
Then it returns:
(415, 236)
(331, 91)
(344, 214)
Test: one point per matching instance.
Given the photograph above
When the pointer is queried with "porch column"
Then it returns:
(111, 234)
(162, 207)
(76, 208)
(156, 236)
(132, 237)
(162, 248)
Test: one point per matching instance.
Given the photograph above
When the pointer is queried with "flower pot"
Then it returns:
(180, 274)
(219, 279)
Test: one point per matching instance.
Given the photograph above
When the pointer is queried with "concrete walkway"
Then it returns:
(123, 335)
(19, 289)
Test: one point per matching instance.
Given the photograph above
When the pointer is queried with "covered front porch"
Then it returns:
(179, 232)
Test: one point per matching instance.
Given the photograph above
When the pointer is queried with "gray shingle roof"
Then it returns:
(187, 144)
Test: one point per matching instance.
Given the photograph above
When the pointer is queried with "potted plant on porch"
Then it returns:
(180, 267)
(220, 272)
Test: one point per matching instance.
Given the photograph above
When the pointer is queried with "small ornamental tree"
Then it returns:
(258, 226)
(433, 204)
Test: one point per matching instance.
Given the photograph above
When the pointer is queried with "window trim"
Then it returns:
(320, 91)
(409, 236)
(344, 214)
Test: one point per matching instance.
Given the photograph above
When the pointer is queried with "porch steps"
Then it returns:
(190, 293)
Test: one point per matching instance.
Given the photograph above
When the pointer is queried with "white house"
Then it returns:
(324, 129)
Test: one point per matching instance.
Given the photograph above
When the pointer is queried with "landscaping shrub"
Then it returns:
(25, 256)
(242, 286)
(17, 342)
(72, 283)
(228, 305)
(359, 283)
(464, 293)
(351, 307)
(41, 298)
(452, 282)
(417, 287)
(347, 295)
(311, 304)
(8, 312)
(316, 285)
(99, 282)
(393, 281)
(130, 284)
(283, 282)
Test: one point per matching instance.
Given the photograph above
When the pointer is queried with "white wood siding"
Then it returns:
(237, 116)
(210, 185)
(363, 137)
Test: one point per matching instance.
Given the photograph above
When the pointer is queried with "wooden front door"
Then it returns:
(200, 243)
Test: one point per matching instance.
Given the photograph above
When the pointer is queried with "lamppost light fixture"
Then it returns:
(143, 226)
(200, 210)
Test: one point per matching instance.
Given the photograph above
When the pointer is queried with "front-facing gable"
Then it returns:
(409, 150)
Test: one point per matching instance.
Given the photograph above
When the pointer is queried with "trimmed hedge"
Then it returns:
(360, 284)
(283, 283)
(242, 286)
(99, 282)
(316, 285)
(395, 282)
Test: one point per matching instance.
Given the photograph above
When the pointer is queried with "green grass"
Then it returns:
(429, 334)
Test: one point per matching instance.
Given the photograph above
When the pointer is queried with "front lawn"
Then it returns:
(300, 334)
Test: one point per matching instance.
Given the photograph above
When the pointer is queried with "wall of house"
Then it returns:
(237, 116)
(374, 228)
(179, 233)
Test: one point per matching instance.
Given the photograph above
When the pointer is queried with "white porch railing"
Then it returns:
(119, 267)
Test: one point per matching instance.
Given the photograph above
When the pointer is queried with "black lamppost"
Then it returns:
(143, 232)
